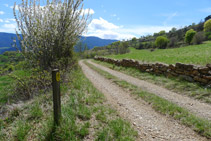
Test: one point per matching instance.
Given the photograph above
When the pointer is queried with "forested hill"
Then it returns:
(92, 41)
(6, 41)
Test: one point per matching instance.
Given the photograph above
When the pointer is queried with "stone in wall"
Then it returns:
(189, 72)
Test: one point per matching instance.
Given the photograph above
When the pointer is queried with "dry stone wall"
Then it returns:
(189, 72)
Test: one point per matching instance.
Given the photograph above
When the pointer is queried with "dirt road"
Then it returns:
(198, 108)
(149, 124)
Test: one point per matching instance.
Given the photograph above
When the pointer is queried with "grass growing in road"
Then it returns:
(85, 114)
(193, 54)
(201, 126)
(84, 106)
(174, 84)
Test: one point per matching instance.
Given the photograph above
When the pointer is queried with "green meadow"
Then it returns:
(193, 54)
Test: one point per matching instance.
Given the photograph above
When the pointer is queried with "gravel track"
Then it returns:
(198, 108)
(151, 126)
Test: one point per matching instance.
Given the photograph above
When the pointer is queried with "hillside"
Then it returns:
(95, 41)
(194, 54)
(6, 41)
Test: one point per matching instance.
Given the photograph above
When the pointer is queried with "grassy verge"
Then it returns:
(201, 126)
(174, 84)
(193, 54)
(85, 115)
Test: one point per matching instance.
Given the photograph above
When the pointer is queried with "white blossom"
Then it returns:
(49, 32)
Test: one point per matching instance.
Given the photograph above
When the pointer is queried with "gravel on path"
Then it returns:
(198, 108)
(151, 126)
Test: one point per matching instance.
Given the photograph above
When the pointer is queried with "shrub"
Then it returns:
(26, 87)
(141, 46)
(208, 35)
(172, 42)
(161, 42)
(162, 32)
(11, 68)
(207, 26)
(189, 36)
(198, 38)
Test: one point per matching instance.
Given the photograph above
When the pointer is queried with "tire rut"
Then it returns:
(151, 126)
(198, 108)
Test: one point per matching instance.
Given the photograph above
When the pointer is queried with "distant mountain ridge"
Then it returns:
(92, 41)
(6, 41)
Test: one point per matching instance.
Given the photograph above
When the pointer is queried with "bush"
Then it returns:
(189, 36)
(161, 42)
(208, 35)
(162, 32)
(11, 68)
(28, 86)
(172, 42)
(198, 38)
(141, 46)
(207, 26)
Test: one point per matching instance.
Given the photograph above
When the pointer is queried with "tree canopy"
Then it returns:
(161, 42)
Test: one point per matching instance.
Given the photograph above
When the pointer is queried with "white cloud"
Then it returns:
(9, 20)
(1, 12)
(16, 7)
(9, 26)
(87, 11)
(169, 16)
(12, 20)
(146, 29)
(106, 30)
(206, 10)
(108, 34)
(101, 24)
(113, 15)
(6, 5)
(1, 21)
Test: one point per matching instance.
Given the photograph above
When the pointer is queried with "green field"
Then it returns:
(4, 48)
(193, 54)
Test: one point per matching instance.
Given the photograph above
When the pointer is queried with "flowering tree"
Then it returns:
(49, 32)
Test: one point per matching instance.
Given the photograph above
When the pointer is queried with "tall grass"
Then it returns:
(7, 85)
(84, 115)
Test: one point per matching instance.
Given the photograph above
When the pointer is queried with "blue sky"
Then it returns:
(124, 19)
